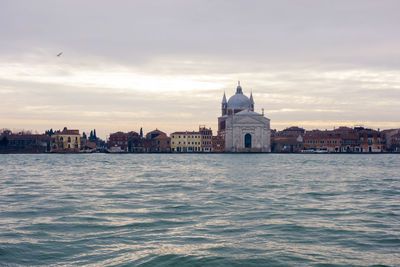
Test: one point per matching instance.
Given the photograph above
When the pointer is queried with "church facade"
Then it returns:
(243, 129)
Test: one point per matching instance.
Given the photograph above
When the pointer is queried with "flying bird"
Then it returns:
(59, 54)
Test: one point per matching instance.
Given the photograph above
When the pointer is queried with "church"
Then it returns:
(243, 129)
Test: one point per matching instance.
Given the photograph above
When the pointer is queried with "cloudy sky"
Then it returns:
(166, 64)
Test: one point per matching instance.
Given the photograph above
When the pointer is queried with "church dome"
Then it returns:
(239, 101)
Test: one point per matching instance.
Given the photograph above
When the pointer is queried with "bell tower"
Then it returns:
(224, 105)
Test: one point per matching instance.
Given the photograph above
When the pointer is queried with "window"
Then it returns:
(69, 139)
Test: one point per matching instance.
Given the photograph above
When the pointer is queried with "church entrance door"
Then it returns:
(247, 141)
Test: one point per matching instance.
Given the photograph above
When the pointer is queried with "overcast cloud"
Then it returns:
(166, 64)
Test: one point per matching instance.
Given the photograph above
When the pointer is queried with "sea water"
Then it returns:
(200, 210)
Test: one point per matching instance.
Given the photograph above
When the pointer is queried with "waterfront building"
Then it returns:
(370, 140)
(218, 144)
(289, 140)
(286, 144)
(243, 129)
(65, 141)
(24, 143)
(329, 141)
(186, 141)
(206, 138)
(158, 141)
(392, 138)
(345, 139)
(122, 142)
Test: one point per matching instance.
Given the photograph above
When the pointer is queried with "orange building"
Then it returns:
(122, 142)
(218, 144)
(370, 140)
(206, 139)
(159, 141)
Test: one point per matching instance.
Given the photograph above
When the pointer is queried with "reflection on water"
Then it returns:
(203, 209)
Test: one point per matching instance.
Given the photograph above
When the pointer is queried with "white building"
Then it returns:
(244, 130)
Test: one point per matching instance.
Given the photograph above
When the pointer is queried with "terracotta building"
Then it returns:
(284, 144)
(122, 142)
(370, 140)
(218, 144)
(158, 141)
(206, 139)
(329, 141)
(392, 138)
(289, 140)
(345, 139)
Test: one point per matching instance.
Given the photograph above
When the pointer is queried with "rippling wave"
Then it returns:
(200, 210)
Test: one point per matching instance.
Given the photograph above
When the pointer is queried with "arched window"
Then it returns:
(247, 141)
(69, 139)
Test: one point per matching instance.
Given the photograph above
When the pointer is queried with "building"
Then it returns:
(159, 141)
(370, 140)
(289, 140)
(286, 144)
(392, 137)
(122, 142)
(186, 141)
(345, 139)
(243, 129)
(206, 138)
(65, 141)
(24, 143)
(293, 131)
(218, 144)
(329, 141)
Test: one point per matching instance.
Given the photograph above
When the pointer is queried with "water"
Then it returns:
(200, 210)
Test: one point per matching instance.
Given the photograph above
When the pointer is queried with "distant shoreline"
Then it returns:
(202, 153)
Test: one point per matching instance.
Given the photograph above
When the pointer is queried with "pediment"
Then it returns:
(250, 120)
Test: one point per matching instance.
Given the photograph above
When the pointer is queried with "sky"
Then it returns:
(166, 64)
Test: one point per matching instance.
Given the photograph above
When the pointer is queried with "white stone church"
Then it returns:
(244, 130)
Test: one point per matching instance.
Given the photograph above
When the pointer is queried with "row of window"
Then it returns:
(323, 141)
(69, 139)
(193, 143)
(184, 136)
(186, 149)
(334, 142)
